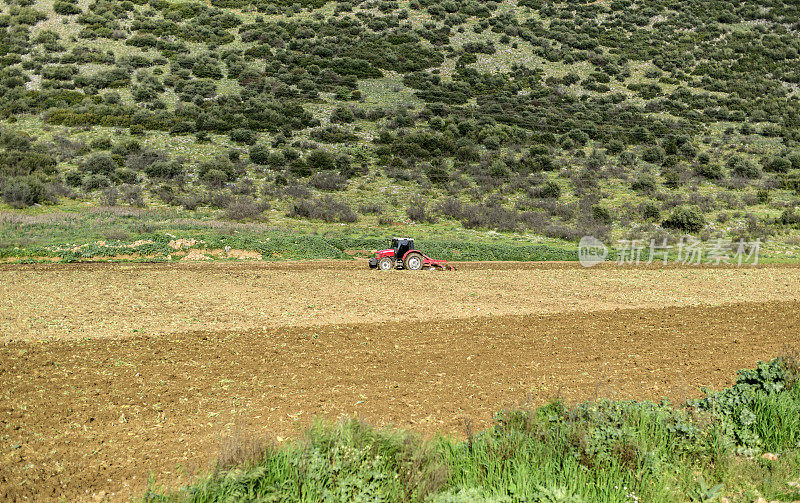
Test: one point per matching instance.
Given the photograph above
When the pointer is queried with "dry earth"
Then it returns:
(57, 302)
(112, 373)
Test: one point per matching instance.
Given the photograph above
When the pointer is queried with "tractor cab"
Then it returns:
(401, 246)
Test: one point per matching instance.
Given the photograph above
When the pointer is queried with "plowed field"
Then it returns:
(110, 373)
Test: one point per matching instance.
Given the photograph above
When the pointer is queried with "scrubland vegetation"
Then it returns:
(550, 119)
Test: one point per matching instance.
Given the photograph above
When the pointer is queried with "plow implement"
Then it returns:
(434, 264)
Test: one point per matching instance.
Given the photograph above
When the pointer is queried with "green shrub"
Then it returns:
(342, 115)
(744, 168)
(777, 165)
(601, 214)
(794, 159)
(686, 218)
(22, 192)
(206, 66)
(15, 162)
(650, 211)
(653, 153)
(550, 190)
(217, 171)
(276, 160)
(59, 72)
(645, 182)
(66, 8)
(246, 136)
(754, 412)
(299, 167)
(124, 175)
(321, 160)
(790, 218)
(101, 144)
(95, 181)
(711, 171)
(214, 178)
(100, 164)
(615, 147)
(164, 170)
(333, 134)
(73, 178)
(260, 154)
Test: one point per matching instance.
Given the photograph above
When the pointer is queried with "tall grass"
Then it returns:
(777, 419)
(605, 451)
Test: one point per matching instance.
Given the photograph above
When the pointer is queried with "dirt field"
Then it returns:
(58, 302)
(112, 373)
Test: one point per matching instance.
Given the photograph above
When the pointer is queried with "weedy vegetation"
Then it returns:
(742, 442)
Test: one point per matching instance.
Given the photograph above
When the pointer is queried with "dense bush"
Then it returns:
(342, 114)
(745, 168)
(686, 218)
(162, 170)
(326, 209)
(217, 172)
(777, 165)
(654, 154)
(21, 192)
(333, 134)
(100, 164)
(712, 171)
(645, 182)
(260, 154)
(66, 7)
(245, 136)
(321, 160)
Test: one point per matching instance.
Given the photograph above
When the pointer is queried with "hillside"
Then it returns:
(552, 120)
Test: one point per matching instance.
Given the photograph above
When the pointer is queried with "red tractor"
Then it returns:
(401, 254)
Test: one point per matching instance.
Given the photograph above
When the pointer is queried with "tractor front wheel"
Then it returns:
(414, 262)
(386, 264)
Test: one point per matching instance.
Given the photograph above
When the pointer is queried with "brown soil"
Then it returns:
(89, 406)
(75, 301)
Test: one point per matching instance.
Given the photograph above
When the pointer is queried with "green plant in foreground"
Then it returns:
(704, 492)
(761, 410)
(609, 451)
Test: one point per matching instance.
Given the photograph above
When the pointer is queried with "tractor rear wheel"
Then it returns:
(414, 262)
(386, 264)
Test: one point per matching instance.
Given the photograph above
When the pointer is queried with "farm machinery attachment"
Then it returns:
(401, 254)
